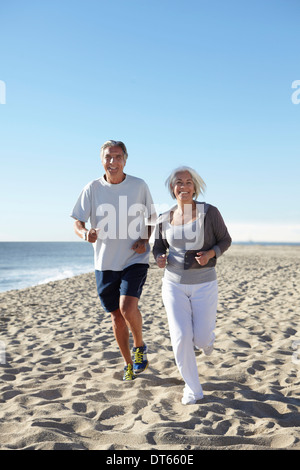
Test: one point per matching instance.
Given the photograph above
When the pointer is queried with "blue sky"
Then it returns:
(202, 83)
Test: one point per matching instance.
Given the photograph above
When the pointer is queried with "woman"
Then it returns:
(194, 235)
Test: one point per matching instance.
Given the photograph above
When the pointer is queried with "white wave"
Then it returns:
(58, 275)
(32, 278)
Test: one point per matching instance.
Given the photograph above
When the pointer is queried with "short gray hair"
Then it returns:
(196, 178)
(114, 143)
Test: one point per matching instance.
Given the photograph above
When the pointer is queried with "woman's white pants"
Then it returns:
(191, 311)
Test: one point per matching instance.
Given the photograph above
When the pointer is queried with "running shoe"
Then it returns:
(128, 373)
(140, 362)
(190, 400)
(189, 397)
(208, 351)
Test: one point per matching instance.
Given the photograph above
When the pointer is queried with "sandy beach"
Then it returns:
(61, 371)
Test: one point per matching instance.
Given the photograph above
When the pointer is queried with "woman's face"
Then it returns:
(183, 187)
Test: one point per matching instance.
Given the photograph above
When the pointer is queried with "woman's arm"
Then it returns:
(160, 246)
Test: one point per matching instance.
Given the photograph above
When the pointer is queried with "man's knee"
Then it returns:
(128, 306)
(117, 318)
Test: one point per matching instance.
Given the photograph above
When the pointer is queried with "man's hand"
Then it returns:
(92, 235)
(140, 246)
(89, 235)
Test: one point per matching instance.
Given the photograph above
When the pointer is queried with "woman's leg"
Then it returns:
(204, 301)
(179, 313)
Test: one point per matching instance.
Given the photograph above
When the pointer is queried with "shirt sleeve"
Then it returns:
(82, 208)
(161, 245)
(221, 234)
(150, 213)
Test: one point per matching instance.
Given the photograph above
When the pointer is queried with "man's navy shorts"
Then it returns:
(112, 284)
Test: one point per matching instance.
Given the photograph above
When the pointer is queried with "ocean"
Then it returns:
(26, 264)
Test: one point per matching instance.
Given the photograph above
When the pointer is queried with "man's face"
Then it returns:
(113, 161)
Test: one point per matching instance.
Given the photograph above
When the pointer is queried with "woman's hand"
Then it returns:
(203, 257)
(161, 261)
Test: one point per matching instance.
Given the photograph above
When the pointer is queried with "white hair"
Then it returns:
(196, 178)
(114, 143)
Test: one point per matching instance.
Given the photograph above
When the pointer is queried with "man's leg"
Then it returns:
(133, 318)
(133, 279)
(121, 333)
(123, 289)
(108, 287)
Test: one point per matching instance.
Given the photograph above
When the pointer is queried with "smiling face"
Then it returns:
(183, 187)
(113, 161)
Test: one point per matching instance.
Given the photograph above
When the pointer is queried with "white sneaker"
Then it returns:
(207, 351)
(188, 399)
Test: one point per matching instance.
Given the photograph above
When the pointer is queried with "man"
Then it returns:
(122, 217)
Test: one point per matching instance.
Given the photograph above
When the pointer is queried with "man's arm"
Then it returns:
(84, 233)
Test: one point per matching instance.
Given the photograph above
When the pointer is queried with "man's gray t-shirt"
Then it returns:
(121, 213)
